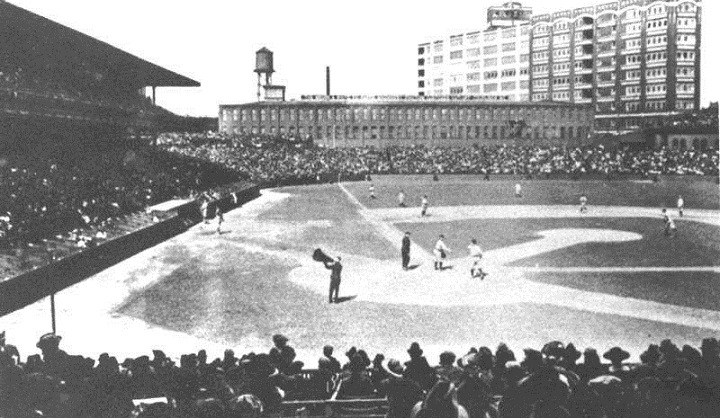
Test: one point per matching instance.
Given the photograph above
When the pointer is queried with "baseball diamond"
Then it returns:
(607, 277)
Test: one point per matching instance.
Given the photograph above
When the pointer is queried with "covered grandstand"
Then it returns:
(53, 72)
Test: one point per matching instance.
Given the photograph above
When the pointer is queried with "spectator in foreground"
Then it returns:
(402, 393)
(441, 402)
(418, 369)
(357, 384)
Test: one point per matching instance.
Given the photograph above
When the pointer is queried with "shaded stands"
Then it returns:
(67, 264)
(50, 70)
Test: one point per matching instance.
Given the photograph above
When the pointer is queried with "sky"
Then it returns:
(370, 45)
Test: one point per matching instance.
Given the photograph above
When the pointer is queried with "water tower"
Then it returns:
(264, 65)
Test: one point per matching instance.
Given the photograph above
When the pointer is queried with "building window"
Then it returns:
(509, 59)
(510, 46)
(490, 62)
(456, 90)
(490, 88)
(473, 77)
(508, 85)
(473, 52)
(456, 55)
(437, 59)
(490, 49)
(473, 65)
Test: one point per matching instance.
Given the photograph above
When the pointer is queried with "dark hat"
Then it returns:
(591, 356)
(351, 352)
(691, 354)
(447, 357)
(503, 354)
(709, 347)
(533, 358)
(668, 349)
(485, 358)
(328, 350)
(279, 339)
(572, 353)
(554, 349)
(651, 355)
(616, 354)
(48, 340)
(415, 350)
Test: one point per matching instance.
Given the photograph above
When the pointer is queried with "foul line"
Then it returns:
(704, 269)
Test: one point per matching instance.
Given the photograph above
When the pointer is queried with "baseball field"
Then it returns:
(599, 279)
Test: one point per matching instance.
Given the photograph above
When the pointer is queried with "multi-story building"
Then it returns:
(403, 120)
(494, 61)
(635, 61)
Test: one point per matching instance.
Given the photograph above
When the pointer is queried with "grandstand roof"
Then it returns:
(40, 39)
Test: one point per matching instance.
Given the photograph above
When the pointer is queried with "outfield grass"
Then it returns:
(454, 190)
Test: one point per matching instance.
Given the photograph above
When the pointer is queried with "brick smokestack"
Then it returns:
(327, 80)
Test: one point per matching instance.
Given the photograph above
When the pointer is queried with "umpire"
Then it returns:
(335, 268)
(405, 250)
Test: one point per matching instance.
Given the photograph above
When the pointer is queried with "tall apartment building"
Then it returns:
(494, 61)
(634, 61)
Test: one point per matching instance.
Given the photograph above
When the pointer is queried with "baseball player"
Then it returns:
(220, 218)
(440, 251)
(583, 203)
(475, 255)
(670, 228)
(518, 190)
(371, 189)
(680, 205)
(401, 199)
(424, 205)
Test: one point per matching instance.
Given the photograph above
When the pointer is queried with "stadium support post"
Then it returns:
(52, 312)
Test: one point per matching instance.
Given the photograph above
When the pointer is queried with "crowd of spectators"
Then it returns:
(80, 196)
(552, 382)
(279, 160)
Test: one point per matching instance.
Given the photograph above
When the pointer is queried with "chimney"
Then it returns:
(327, 81)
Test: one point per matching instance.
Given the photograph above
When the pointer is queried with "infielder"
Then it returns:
(680, 205)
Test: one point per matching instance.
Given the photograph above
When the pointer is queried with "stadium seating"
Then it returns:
(273, 161)
(61, 201)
